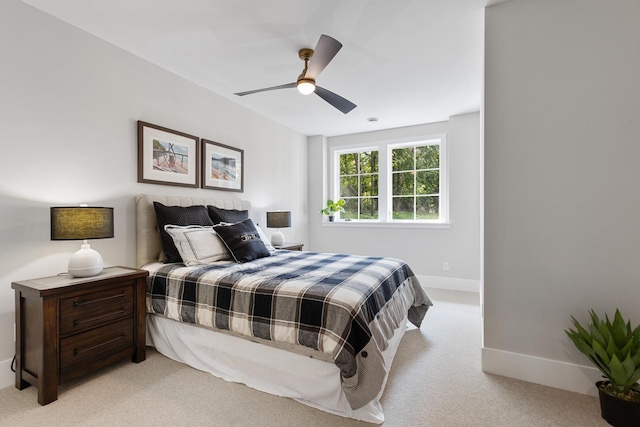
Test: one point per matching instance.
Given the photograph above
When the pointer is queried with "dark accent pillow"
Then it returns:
(243, 241)
(218, 215)
(178, 215)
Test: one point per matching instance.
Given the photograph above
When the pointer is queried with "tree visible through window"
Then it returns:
(415, 179)
(359, 184)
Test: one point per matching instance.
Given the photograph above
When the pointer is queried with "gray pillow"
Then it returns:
(218, 215)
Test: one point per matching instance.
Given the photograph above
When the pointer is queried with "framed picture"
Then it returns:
(222, 167)
(168, 157)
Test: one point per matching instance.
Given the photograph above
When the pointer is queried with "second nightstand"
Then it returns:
(289, 246)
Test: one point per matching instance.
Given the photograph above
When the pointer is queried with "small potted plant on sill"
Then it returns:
(614, 348)
(332, 208)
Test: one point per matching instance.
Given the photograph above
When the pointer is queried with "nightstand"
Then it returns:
(69, 326)
(289, 246)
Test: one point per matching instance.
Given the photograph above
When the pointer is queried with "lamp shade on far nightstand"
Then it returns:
(82, 223)
(278, 219)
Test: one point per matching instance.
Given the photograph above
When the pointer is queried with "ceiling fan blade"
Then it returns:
(336, 100)
(249, 92)
(324, 52)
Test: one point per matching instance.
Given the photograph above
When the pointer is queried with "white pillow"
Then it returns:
(197, 244)
(264, 239)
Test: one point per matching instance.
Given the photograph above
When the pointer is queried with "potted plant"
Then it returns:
(614, 348)
(332, 208)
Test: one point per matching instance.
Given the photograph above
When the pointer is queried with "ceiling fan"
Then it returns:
(314, 63)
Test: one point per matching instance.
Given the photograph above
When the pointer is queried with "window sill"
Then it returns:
(379, 224)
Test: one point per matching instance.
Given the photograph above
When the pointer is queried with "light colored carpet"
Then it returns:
(435, 381)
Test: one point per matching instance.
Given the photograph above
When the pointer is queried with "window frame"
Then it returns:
(385, 191)
(335, 176)
(443, 208)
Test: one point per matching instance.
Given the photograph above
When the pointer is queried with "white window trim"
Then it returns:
(368, 223)
(384, 175)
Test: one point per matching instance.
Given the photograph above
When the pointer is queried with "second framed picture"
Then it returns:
(222, 167)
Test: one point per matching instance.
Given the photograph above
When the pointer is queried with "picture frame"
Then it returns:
(167, 156)
(222, 166)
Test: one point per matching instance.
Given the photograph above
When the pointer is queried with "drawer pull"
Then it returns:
(77, 303)
(77, 352)
(77, 322)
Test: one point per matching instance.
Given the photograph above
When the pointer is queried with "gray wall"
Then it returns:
(562, 177)
(424, 249)
(69, 103)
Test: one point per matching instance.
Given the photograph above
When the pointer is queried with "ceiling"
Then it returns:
(403, 62)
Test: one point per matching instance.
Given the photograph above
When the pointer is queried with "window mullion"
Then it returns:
(384, 184)
(359, 193)
(415, 182)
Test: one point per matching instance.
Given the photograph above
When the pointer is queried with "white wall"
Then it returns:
(562, 150)
(423, 249)
(69, 103)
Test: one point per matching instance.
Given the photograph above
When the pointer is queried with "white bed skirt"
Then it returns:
(272, 370)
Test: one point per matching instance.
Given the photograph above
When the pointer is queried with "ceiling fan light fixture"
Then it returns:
(306, 86)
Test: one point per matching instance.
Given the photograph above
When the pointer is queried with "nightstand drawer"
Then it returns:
(95, 344)
(93, 309)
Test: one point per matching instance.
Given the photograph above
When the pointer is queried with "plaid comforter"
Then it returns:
(344, 306)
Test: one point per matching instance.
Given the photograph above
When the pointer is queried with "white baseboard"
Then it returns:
(552, 373)
(449, 283)
(7, 376)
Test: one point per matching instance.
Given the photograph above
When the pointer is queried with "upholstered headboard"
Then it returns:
(148, 245)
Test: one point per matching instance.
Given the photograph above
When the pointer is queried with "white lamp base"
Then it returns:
(86, 262)
(277, 238)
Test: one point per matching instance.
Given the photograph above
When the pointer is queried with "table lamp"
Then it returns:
(82, 223)
(279, 219)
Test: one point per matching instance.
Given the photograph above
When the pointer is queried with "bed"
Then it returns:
(322, 329)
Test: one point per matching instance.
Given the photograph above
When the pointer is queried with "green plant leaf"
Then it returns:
(618, 374)
(583, 333)
(634, 378)
(594, 317)
(597, 336)
(636, 358)
(580, 344)
(619, 331)
(573, 335)
(601, 352)
(604, 330)
(618, 321)
(629, 366)
(613, 349)
(626, 350)
(636, 335)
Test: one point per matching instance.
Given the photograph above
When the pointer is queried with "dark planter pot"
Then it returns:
(618, 412)
(331, 218)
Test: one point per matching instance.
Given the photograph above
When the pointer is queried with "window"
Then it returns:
(393, 182)
(415, 178)
(358, 177)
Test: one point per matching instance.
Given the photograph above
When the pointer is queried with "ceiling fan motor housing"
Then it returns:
(305, 54)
